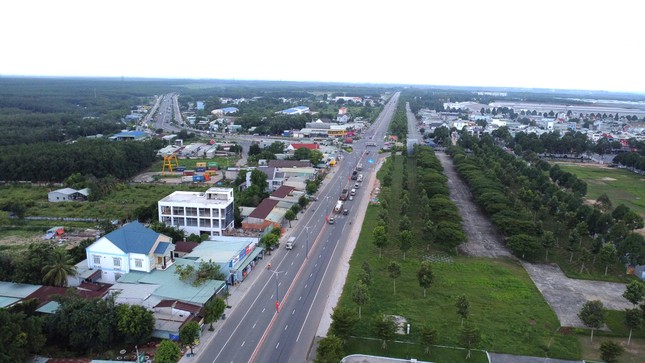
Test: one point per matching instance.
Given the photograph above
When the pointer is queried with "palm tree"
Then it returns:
(59, 267)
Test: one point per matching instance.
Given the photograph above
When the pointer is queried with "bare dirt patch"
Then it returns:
(607, 179)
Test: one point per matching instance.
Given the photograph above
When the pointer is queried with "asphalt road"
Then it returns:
(253, 330)
(163, 117)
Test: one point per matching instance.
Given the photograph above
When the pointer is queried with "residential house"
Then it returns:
(132, 247)
(258, 219)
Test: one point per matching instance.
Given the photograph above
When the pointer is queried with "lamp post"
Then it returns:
(277, 296)
(307, 250)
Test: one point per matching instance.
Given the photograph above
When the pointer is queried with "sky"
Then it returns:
(564, 44)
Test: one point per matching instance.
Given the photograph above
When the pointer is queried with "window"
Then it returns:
(97, 260)
(203, 222)
(117, 261)
(178, 211)
(191, 211)
(138, 263)
(191, 222)
(204, 212)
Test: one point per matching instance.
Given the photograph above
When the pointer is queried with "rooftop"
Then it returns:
(198, 197)
(263, 209)
(134, 237)
(220, 250)
(282, 192)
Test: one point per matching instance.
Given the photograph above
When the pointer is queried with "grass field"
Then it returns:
(620, 185)
(505, 305)
(119, 204)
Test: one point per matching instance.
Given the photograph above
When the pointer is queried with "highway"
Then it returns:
(253, 331)
(164, 111)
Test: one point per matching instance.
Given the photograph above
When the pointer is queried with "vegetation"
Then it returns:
(522, 322)
(168, 352)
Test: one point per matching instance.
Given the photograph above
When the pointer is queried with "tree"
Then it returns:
(29, 265)
(462, 306)
(548, 241)
(330, 350)
(168, 352)
(633, 320)
(429, 230)
(60, 266)
(603, 203)
(523, 245)
(360, 296)
(610, 351)
(573, 242)
(384, 328)
(269, 241)
(135, 324)
(592, 315)
(634, 292)
(608, 255)
(405, 241)
(425, 276)
(290, 216)
(343, 321)
(427, 337)
(379, 238)
(303, 201)
(469, 337)
(394, 270)
(20, 336)
(213, 311)
(189, 333)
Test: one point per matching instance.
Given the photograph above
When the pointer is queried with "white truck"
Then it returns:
(291, 242)
(339, 206)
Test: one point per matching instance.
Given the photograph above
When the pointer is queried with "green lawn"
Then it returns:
(627, 188)
(406, 351)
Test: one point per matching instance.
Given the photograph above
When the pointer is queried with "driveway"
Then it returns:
(565, 296)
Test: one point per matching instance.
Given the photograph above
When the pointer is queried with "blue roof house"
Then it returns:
(130, 248)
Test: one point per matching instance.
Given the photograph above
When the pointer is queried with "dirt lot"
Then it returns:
(565, 296)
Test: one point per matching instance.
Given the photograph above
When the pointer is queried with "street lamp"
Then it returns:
(307, 252)
(277, 296)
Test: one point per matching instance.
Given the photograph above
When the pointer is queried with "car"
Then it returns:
(345, 212)
(331, 220)
(351, 197)
(367, 153)
(356, 185)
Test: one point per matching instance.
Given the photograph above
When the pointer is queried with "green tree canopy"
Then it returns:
(213, 311)
(135, 324)
(592, 315)
(330, 350)
(168, 352)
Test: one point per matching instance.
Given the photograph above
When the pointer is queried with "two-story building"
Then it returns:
(210, 212)
(130, 248)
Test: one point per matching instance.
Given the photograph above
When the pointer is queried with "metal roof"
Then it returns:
(134, 237)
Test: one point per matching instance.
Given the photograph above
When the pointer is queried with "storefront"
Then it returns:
(245, 265)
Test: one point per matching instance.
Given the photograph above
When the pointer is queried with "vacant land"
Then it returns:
(504, 303)
(620, 185)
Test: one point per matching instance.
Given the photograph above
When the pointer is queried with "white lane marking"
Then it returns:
(243, 343)
(266, 308)
(293, 312)
(277, 345)
(300, 298)
(256, 323)
(285, 327)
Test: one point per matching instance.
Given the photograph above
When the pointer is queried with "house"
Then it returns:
(171, 315)
(68, 195)
(132, 247)
(275, 178)
(209, 212)
(182, 248)
(293, 147)
(307, 173)
(12, 293)
(257, 220)
(342, 118)
(225, 111)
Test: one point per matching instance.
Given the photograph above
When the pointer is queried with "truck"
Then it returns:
(343, 194)
(339, 207)
(290, 243)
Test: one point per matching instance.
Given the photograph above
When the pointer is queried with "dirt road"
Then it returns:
(565, 296)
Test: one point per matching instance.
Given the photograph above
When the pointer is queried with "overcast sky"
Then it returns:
(596, 45)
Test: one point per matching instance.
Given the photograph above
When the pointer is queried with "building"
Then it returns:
(209, 212)
(225, 111)
(129, 135)
(298, 110)
(68, 195)
(258, 220)
(289, 163)
(293, 147)
(132, 247)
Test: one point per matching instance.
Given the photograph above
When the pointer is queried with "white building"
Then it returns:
(209, 212)
(68, 195)
(130, 248)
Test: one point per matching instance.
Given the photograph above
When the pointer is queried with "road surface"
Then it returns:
(253, 331)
